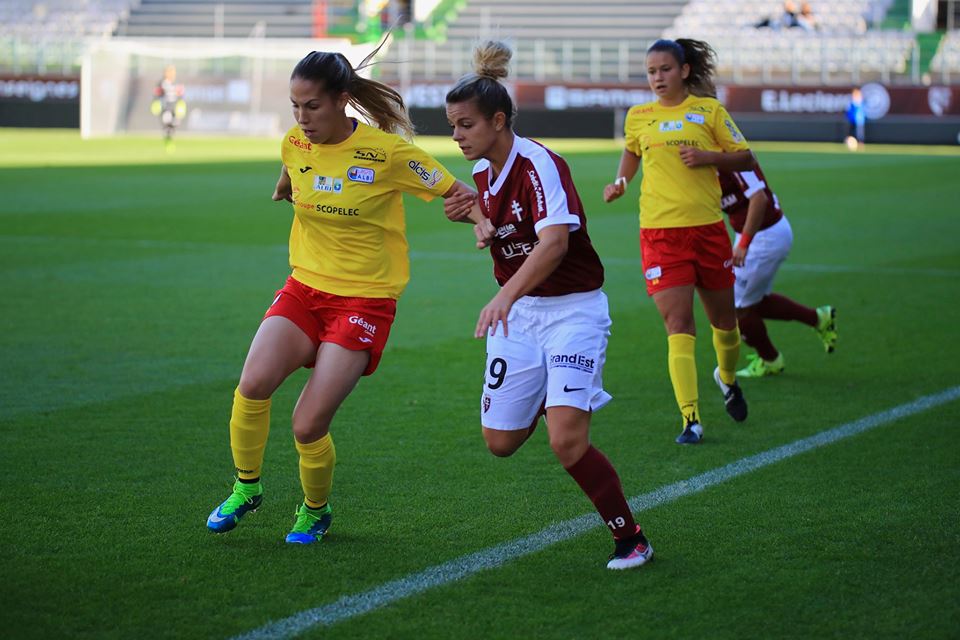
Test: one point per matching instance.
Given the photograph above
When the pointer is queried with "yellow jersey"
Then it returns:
(349, 231)
(671, 194)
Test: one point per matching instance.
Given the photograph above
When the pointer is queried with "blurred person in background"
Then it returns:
(169, 104)
(763, 240)
(856, 121)
(806, 19)
(348, 251)
(547, 327)
(682, 139)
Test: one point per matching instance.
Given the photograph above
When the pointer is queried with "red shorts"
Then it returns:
(358, 324)
(680, 256)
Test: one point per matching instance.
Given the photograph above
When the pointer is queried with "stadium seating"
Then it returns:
(946, 62)
(552, 39)
(49, 36)
(215, 18)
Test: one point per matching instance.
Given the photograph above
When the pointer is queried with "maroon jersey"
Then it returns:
(533, 191)
(737, 188)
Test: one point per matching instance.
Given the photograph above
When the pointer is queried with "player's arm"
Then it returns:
(756, 209)
(542, 261)
(629, 164)
(284, 188)
(460, 205)
(725, 161)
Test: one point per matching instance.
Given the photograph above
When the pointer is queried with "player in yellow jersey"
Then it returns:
(682, 138)
(348, 252)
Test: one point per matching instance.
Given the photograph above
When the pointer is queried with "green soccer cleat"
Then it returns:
(827, 327)
(759, 367)
(244, 499)
(311, 524)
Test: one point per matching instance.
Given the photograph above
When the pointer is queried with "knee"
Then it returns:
(256, 386)
(307, 428)
(568, 448)
(500, 443)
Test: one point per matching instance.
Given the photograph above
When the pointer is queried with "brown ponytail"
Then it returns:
(702, 60)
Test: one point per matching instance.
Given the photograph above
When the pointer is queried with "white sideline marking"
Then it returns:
(357, 604)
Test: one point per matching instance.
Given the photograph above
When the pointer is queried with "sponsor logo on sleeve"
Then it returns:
(537, 189)
(370, 154)
(732, 128)
(696, 118)
(431, 178)
(360, 174)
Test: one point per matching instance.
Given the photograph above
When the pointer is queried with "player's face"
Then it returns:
(318, 113)
(473, 132)
(666, 75)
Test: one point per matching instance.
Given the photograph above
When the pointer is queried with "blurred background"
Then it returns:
(786, 69)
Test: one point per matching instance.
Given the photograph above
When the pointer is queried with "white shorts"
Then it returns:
(768, 249)
(553, 357)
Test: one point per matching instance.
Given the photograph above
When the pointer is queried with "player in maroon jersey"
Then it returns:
(547, 327)
(764, 238)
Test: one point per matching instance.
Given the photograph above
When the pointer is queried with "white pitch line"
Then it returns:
(357, 604)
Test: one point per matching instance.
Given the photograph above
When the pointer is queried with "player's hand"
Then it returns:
(485, 232)
(284, 189)
(613, 191)
(494, 313)
(457, 207)
(694, 157)
(739, 256)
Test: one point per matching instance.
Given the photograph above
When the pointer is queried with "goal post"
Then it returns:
(235, 86)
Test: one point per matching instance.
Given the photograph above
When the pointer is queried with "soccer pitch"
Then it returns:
(133, 281)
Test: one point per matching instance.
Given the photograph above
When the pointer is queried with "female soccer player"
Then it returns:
(683, 138)
(348, 252)
(547, 327)
(764, 232)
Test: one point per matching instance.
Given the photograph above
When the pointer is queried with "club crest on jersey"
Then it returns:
(327, 184)
(696, 118)
(429, 178)
(671, 125)
(517, 210)
(360, 174)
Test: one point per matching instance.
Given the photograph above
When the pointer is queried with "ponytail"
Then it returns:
(374, 100)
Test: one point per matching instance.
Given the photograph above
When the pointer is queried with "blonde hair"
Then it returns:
(491, 62)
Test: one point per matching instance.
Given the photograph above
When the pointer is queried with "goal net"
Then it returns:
(236, 86)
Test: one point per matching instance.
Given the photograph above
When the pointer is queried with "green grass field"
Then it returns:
(133, 281)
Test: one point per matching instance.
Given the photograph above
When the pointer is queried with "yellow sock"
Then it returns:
(249, 428)
(727, 346)
(683, 374)
(317, 460)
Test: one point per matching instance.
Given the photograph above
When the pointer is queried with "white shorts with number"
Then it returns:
(768, 249)
(553, 357)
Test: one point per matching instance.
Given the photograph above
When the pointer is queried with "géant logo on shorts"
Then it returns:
(368, 327)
